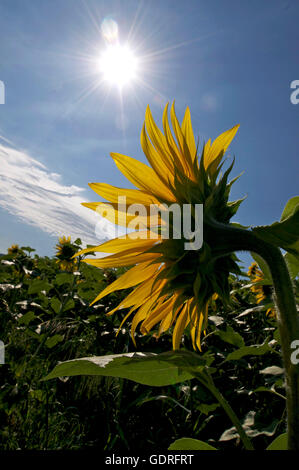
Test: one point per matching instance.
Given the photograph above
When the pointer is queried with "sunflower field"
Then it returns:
(47, 318)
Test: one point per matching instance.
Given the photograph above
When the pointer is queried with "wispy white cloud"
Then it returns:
(36, 196)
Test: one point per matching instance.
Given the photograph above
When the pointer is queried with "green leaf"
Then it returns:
(289, 208)
(186, 443)
(206, 408)
(69, 304)
(51, 342)
(146, 368)
(283, 234)
(39, 395)
(63, 278)
(292, 264)
(279, 443)
(255, 350)
(27, 248)
(27, 318)
(231, 336)
(78, 241)
(56, 304)
(236, 224)
(39, 285)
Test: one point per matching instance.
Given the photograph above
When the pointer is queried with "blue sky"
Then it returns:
(230, 62)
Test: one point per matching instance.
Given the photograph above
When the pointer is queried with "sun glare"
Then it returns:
(118, 65)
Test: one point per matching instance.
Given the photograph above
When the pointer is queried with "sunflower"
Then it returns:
(261, 292)
(65, 252)
(173, 287)
(14, 250)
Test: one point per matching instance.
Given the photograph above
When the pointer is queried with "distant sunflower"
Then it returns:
(174, 285)
(14, 250)
(261, 292)
(65, 252)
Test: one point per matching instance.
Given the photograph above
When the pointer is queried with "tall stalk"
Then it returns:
(232, 239)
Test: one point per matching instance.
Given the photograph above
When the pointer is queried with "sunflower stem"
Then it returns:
(231, 239)
(209, 383)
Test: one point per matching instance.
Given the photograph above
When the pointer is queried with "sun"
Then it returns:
(118, 65)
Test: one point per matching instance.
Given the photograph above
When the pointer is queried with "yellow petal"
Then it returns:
(219, 146)
(196, 319)
(181, 323)
(179, 163)
(188, 133)
(142, 313)
(169, 319)
(127, 258)
(124, 243)
(139, 214)
(205, 315)
(134, 276)
(206, 151)
(109, 212)
(142, 176)
(166, 322)
(199, 330)
(140, 294)
(155, 160)
(184, 150)
(159, 140)
(113, 193)
(158, 314)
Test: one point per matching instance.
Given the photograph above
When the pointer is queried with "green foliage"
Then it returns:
(292, 264)
(39, 286)
(63, 278)
(145, 368)
(263, 267)
(284, 234)
(254, 350)
(190, 444)
(290, 208)
(279, 443)
(231, 336)
(46, 319)
(56, 304)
